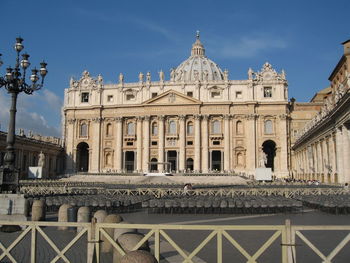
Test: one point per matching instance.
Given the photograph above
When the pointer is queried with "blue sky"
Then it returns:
(109, 37)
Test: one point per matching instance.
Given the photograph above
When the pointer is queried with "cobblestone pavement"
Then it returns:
(250, 240)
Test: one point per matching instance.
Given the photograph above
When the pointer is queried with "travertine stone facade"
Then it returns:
(322, 148)
(28, 148)
(198, 120)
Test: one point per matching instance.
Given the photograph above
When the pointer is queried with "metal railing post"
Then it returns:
(219, 246)
(91, 245)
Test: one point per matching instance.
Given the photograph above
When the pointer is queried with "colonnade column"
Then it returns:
(139, 144)
(197, 145)
(227, 143)
(145, 144)
(205, 148)
(97, 154)
(346, 153)
(161, 142)
(118, 157)
(325, 160)
(69, 135)
(251, 147)
(284, 145)
(339, 146)
(332, 157)
(182, 141)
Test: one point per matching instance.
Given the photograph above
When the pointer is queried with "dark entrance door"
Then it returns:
(172, 159)
(269, 147)
(216, 160)
(83, 157)
(154, 166)
(129, 161)
(189, 164)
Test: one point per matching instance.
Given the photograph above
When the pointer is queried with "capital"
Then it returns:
(182, 117)
(197, 116)
(118, 119)
(161, 117)
(147, 118)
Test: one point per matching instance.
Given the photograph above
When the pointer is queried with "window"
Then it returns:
(216, 142)
(130, 97)
(154, 128)
(189, 142)
(83, 130)
(189, 93)
(154, 143)
(215, 94)
(109, 129)
(154, 94)
(239, 127)
(268, 127)
(110, 98)
(108, 159)
(85, 97)
(216, 127)
(172, 127)
(130, 128)
(267, 92)
(238, 94)
(190, 128)
(129, 143)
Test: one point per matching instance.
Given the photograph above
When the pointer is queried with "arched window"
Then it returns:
(190, 128)
(109, 129)
(216, 127)
(130, 128)
(268, 127)
(239, 127)
(108, 159)
(154, 128)
(172, 127)
(83, 130)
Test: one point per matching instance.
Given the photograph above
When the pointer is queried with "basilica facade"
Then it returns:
(198, 120)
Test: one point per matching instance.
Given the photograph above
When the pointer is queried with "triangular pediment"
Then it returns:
(171, 97)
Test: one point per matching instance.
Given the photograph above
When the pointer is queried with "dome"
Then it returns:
(198, 66)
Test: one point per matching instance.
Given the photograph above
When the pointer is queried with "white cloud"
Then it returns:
(28, 119)
(246, 46)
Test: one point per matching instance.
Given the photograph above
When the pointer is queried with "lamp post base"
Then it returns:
(9, 180)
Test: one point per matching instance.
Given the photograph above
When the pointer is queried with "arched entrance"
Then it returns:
(189, 164)
(172, 159)
(269, 147)
(82, 157)
(216, 160)
(129, 161)
(154, 166)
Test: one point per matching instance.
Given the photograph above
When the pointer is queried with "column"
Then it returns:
(118, 145)
(145, 144)
(182, 141)
(205, 140)
(332, 157)
(346, 153)
(95, 161)
(197, 145)
(326, 159)
(227, 143)
(315, 163)
(139, 144)
(70, 123)
(161, 143)
(320, 160)
(251, 144)
(284, 145)
(339, 150)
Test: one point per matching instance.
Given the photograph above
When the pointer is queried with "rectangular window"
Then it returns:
(216, 142)
(154, 143)
(85, 97)
(130, 97)
(215, 94)
(267, 92)
(110, 98)
(238, 94)
(189, 142)
(189, 93)
(154, 94)
(129, 143)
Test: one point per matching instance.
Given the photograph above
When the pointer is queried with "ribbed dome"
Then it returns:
(198, 66)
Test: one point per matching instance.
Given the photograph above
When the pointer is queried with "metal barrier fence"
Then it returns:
(160, 192)
(285, 235)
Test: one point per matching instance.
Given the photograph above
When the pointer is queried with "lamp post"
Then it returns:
(14, 82)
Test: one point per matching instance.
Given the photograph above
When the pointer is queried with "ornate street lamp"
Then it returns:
(14, 82)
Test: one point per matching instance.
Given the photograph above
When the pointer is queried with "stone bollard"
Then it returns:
(63, 215)
(83, 216)
(117, 233)
(72, 216)
(38, 210)
(100, 216)
(128, 241)
(106, 245)
(138, 256)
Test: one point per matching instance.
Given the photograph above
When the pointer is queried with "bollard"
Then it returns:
(112, 218)
(38, 210)
(138, 256)
(63, 215)
(72, 216)
(100, 216)
(83, 216)
(128, 241)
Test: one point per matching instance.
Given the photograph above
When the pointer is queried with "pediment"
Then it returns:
(171, 97)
